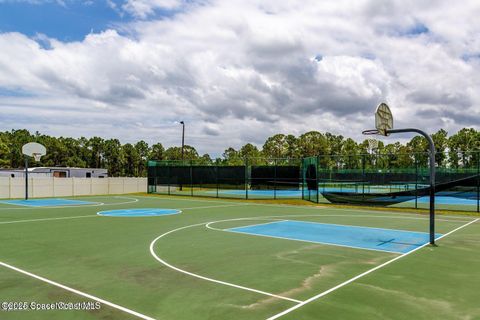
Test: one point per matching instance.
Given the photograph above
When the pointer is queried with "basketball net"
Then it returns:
(37, 156)
(372, 145)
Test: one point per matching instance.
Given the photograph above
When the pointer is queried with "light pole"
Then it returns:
(183, 140)
(183, 146)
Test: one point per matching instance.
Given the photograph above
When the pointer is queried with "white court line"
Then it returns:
(249, 225)
(321, 215)
(88, 203)
(96, 204)
(97, 215)
(89, 296)
(48, 219)
(278, 315)
(152, 252)
(319, 206)
(282, 217)
(219, 206)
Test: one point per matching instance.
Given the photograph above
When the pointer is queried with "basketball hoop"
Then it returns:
(37, 156)
(35, 150)
(370, 132)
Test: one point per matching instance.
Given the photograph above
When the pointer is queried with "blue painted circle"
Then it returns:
(143, 212)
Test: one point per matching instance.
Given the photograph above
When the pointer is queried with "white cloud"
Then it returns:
(239, 71)
(144, 8)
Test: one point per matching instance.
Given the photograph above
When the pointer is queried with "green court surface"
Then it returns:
(189, 266)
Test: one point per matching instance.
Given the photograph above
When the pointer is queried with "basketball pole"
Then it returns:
(26, 177)
(432, 175)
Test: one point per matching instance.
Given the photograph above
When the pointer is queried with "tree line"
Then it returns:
(457, 150)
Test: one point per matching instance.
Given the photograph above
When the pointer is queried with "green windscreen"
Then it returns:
(380, 179)
(310, 179)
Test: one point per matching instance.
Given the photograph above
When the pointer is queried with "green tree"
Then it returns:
(232, 157)
(132, 158)
(96, 147)
(351, 157)
(175, 153)
(418, 146)
(312, 143)
(205, 159)
(114, 157)
(4, 153)
(250, 152)
(276, 147)
(157, 152)
(142, 151)
(17, 138)
(440, 139)
(461, 145)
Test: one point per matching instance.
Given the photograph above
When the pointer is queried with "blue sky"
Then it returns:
(236, 71)
(69, 22)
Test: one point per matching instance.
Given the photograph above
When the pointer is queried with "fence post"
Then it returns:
(216, 178)
(275, 179)
(10, 187)
(73, 186)
(316, 176)
(169, 177)
(191, 178)
(245, 163)
(363, 176)
(416, 180)
(478, 181)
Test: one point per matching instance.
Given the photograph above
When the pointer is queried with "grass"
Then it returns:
(109, 257)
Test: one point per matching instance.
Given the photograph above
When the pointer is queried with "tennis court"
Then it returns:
(162, 257)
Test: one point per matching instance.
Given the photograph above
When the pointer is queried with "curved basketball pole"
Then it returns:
(431, 146)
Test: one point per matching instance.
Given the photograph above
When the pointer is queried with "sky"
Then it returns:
(236, 71)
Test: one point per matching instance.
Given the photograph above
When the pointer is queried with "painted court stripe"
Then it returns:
(48, 219)
(309, 241)
(350, 236)
(278, 315)
(89, 296)
(97, 204)
(217, 206)
(319, 207)
(91, 216)
(282, 217)
(208, 225)
(152, 252)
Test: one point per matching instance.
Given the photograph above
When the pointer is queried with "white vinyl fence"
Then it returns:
(11, 188)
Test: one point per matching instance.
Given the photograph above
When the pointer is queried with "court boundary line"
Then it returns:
(177, 211)
(350, 225)
(86, 203)
(324, 293)
(97, 215)
(89, 296)
(249, 225)
(156, 257)
(48, 219)
(97, 204)
(319, 206)
(211, 207)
